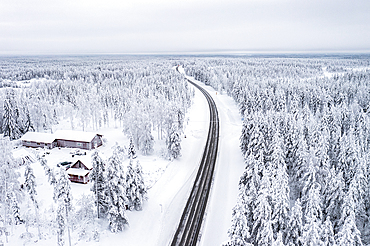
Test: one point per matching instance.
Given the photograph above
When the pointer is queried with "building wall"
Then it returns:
(79, 179)
(96, 142)
(37, 144)
(73, 144)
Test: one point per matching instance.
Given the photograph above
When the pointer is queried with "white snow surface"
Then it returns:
(170, 182)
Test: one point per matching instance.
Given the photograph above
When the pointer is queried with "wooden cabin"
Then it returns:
(79, 173)
(78, 139)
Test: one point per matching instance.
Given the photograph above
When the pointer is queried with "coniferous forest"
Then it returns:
(305, 141)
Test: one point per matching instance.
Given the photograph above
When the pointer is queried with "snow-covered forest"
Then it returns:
(141, 96)
(305, 140)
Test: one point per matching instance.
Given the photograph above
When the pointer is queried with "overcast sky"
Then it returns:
(156, 26)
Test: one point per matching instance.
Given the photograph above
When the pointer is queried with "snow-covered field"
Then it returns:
(170, 182)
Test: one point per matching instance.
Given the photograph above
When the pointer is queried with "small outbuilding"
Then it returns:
(79, 173)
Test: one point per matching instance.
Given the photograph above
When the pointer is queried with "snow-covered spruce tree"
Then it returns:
(9, 127)
(115, 192)
(239, 231)
(360, 184)
(131, 150)
(311, 234)
(331, 122)
(348, 233)
(333, 197)
(30, 187)
(141, 191)
(174, 143)
(14, 209)
(146, 140)
(131, 185)
(348, 157)
(247, 131)
(299, 169)
(327, 233)
(48, 171)
(24, 119)
(85, 223)
(291, 144)
(30, 184)
(262, 233)
(321, 150)
(295, 227)
(309, 180)
(280, 196)
(97, 177)
(63, 197)
(256, 144)
(9, 185)
(248, 184)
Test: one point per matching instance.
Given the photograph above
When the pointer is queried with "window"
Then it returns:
(79, 144)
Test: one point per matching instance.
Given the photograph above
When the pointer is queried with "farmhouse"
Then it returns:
(38, 140)
(78, 139)
(62, 138)
(79, 172)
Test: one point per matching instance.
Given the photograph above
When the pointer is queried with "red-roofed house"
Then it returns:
(79, 173)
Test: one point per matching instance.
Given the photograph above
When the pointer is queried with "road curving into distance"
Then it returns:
(188, 230)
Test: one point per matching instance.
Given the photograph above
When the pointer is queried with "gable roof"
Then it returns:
(88, 166)
(78, 136)
(39, 137)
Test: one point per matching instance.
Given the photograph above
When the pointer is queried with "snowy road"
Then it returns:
(190, 224)
(156, 224)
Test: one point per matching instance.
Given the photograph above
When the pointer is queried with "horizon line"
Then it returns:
(190, 53)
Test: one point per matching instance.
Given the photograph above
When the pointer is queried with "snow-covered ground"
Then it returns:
(170, 182)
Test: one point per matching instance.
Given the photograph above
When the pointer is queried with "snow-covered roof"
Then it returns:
(77, 171)
(78, 136)
(38, 137)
